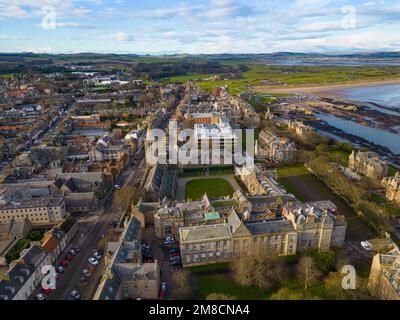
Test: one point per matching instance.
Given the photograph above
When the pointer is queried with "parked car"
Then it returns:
(86, 273)
(68, 257)
(76, 295)
(93, 261)
(169, 240)
(72, 252)
(366, 245)
(64, 263)
(175, 263)
(40, 297)
(175, 249)
(171, 258)
(161, 296)
(58, 275)
(164, 286)
(175, 254)
(76, 249)
(97, 255)
(47, 291)
(60, 269)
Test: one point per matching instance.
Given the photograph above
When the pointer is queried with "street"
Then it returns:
(91, 231)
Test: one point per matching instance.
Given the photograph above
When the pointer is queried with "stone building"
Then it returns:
(313, 225)
(274, 148)
(369, 164)
(384, 278)
(225, 241)
(160, 182)
(169, 217)
(38, 210)
(318, 225)
(392, 186)
(126, 277)
(298, 127)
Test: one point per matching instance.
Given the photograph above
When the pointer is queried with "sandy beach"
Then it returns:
(328, 91)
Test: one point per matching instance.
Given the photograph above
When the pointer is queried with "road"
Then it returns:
(88, 237)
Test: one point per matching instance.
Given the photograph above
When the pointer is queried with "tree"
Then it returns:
(258, 267)
(183, 285)
(325, 261)
(307, 270)
(333, 285)
(287, 294)
(220, 296)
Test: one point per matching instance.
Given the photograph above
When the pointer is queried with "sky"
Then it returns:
(199, 26)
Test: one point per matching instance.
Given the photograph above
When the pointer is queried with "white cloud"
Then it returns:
(118, 36)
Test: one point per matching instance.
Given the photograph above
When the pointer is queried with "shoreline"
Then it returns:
(327, 91)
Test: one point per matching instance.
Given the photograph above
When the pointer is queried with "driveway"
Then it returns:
(160, 252)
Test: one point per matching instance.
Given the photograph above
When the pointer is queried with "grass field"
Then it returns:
(217, 282)
(306, 187)
(215, 188)
(303, 75)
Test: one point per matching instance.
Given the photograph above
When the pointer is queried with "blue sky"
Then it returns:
(195, 26)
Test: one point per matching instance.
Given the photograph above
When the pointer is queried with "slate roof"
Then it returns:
(208, 232)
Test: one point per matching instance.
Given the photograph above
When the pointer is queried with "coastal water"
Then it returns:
(383, 95)
(383, 138)
(331, 62)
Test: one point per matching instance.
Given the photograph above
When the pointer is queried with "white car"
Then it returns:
(366, 245)
(97, 255)
(40, 297)
(93, 261)
(76, 295)
(169, 240)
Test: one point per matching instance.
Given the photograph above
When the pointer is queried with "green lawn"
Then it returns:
(215, 188)
(307, 187)
(223, 283)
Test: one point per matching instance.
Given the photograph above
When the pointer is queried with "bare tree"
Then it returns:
(258, 267)
(307, 270)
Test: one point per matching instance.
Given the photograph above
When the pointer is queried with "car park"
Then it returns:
(93, 261)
